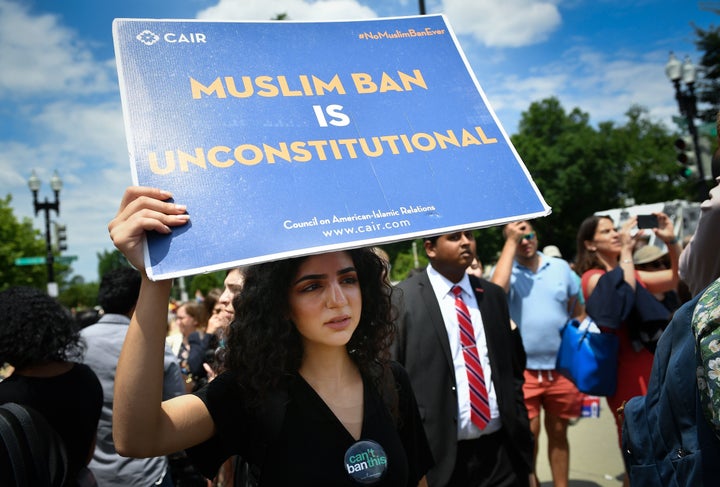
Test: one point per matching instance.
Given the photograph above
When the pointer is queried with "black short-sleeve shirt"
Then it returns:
(71, 403)
(309, 448)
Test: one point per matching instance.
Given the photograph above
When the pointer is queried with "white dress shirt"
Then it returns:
(446, 299)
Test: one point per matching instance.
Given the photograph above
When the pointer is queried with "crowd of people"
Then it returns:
(317, 370)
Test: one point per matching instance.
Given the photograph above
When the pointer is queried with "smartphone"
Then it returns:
(647, 221)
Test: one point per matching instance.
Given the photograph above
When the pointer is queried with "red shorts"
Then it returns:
(553, 392)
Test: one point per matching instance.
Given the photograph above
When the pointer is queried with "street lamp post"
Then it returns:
(684, 72)
(46, 206)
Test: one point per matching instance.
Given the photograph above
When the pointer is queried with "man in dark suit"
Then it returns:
(496, 450)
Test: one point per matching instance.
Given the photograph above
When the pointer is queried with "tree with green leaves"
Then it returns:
(652, 171)
(78, 294)
(205, 282)
(110, 260)
(577, 169)
(708, 85)
(580, 169)
(19, 239)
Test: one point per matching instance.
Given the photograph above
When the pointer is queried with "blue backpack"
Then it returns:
(666, 440)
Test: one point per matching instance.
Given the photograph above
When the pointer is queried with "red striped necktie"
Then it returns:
(479, 406)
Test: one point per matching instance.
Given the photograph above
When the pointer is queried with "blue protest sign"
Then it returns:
(290, 138)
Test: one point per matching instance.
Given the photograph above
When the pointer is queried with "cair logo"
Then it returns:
(149, 38)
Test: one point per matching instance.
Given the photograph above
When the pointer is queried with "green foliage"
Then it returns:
(708, 84)
(489, 242)
(206, 282)
(652, 167)
(574, 167)
(581, 170)
(78, 294)
(403, 258)
(19, 239)
(108, 261)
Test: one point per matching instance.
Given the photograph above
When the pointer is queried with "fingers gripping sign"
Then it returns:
(143, 209)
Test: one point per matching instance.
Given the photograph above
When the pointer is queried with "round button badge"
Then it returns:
(366, 462)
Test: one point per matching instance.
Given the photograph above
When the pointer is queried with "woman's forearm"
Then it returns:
(139, 376)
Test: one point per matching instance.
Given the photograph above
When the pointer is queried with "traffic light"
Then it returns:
(60, 237)
(686, 156)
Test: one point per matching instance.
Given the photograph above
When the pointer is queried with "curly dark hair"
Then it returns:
(36, 329)
(587, 260)
(263, 344)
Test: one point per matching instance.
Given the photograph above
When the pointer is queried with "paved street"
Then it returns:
(595, 459)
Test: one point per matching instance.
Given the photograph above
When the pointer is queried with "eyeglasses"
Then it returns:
(528, 236)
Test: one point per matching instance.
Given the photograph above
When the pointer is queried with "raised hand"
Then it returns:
(665, 230)
(143, 209)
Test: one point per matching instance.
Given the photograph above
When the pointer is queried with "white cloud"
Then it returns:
(610, 85)
(510, 23)
(295, 10)
(602, 86)
(83, 134)
(46, 58)
(52, 72)
(85, 144)
(66, 116)
(520, 92)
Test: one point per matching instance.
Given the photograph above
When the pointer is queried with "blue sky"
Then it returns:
(60, 104)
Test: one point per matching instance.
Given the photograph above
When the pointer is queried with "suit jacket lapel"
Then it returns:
(435, 316)
(478, 290)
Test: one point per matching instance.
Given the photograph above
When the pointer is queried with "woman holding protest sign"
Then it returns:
(310, 396)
